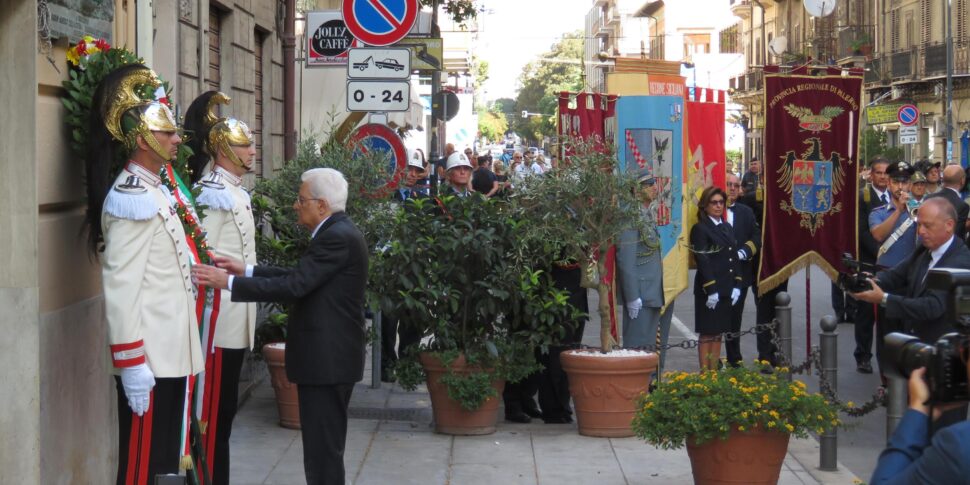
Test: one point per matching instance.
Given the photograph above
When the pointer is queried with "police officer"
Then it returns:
(458, 173)
(231, 231)
(149, 297)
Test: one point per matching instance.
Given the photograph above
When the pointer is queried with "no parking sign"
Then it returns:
(380, 22)
(380, 138)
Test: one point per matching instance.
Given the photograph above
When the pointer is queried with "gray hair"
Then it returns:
(943, 206)
(329, 185)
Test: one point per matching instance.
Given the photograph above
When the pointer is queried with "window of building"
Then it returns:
(259, 38)
(214, 77)
(696, 44)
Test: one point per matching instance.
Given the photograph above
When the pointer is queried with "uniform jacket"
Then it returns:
(868, 246)
(747, 238)
(148, 292)
(912, 457)
(961, 207)
(919, 308)
(639, 263)
(231, 231)
(718, 268)
(325, 336)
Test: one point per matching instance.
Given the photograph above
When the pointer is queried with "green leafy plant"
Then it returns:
(458, 271)
(701, 407)
(583, 206)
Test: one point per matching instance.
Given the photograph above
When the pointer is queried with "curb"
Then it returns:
(806, 453)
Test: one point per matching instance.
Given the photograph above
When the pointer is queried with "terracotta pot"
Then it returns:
(750, 457)
(604, 389)
(287, 400)
(449, 416)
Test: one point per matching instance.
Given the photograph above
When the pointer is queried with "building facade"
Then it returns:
(59, 399)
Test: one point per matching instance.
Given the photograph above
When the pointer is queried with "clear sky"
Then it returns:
(514, 32)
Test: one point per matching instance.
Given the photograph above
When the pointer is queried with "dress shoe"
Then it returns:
(517, 417)
(532, 411)
(864, 367)
(557, 419)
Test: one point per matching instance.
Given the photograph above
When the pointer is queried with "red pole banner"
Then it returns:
(811, 171)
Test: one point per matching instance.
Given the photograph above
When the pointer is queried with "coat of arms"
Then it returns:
(812, 180)
(809, 121)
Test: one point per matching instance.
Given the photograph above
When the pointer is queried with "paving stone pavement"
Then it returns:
(393, 443)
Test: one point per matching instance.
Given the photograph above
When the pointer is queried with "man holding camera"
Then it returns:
(902, 291)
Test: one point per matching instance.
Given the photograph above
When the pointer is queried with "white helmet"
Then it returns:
(457, 159)
(414, 159)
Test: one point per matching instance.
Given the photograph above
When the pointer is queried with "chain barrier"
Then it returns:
(814, 360)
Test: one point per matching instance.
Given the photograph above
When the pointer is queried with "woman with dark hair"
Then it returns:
(718, 279)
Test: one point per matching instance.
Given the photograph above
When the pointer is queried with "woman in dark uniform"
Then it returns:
(718, 279)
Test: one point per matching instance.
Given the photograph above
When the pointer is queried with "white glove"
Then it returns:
(633, 308)
(138, 382)
(741, 255)
(711, 301)
(735, 295)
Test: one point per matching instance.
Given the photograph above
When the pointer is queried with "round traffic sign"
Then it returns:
(908, 114)
(374, 137)
(380, 22)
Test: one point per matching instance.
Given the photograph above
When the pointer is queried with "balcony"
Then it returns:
(657, 47)
(874, 70)
(855, 40)
(901, 65)
(751, 80)
(741, 8)
(934, 59)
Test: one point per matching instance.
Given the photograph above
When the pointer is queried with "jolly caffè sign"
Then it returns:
(328, 39)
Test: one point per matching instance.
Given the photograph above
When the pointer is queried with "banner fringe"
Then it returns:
(800, 263)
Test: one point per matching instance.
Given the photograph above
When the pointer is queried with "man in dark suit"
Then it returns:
(954, 178)
(876, 194)
(325, 338)
(747, 236)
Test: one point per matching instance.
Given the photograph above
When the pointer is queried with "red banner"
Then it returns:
(591, 117)
(811, 168)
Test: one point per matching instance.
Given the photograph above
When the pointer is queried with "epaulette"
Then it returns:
(131, 200)
(214, 194)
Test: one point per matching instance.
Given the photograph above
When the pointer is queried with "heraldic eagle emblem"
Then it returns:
(811, 180)
(809, 121)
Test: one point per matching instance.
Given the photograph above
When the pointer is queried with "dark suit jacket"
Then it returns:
(921, 309)
(868, 246)
(325, 335)
(961, 207)
(717, 271)
(912, 458)
(747, 237)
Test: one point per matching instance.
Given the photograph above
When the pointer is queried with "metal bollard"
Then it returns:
(783, 330)
(897, 393)
(375, 364)
(829, 342)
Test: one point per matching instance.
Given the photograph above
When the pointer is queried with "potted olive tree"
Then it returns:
(584, 205)
(458, 271)
(282, 241)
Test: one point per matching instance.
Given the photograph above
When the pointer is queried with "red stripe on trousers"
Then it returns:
(213, 423)
(140, 445)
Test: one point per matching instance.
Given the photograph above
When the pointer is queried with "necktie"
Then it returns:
(884, 199)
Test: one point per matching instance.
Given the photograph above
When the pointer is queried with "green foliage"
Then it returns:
(458, 10)
(80, 86)
(491, 125)
(458, 270)
(710, 404)
(272, 330)
(470, 390)
(875, 144)
(542, 81)
(582, 207)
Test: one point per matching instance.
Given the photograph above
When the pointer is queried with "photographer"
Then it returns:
(911, 457)
(902, 289)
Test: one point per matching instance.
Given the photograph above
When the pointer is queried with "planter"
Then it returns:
(449, 416)
(604, 388)
(287, 400)
(750, 457)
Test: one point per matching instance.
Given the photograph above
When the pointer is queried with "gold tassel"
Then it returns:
(186, 463)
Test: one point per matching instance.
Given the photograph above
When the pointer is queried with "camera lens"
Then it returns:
(905, 353)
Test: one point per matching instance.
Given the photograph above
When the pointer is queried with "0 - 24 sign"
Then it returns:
(377, 96)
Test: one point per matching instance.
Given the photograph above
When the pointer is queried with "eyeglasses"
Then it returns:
(716, 202)
(302, 201)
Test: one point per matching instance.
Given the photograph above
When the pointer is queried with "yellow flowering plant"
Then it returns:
(711, 404)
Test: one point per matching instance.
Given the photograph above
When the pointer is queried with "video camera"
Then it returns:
(857, 279)
(946, 369)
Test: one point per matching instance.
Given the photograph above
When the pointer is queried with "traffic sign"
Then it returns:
(380, 138)
(444, 105)
(379, 63)
(908, 139)
(908, 114)
(378, 95)
(908, 130)
(380, 22)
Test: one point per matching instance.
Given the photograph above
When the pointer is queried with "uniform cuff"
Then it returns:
(229, 283)
(249, 271)
(128, 355)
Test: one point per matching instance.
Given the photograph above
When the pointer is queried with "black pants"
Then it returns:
(552, 383)
(396, 332)
(766, 314)
(732, 346)
(151, 444)
(844, 305)
(865, 319)
(228, 365)
(518, 395)
(323, 418)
